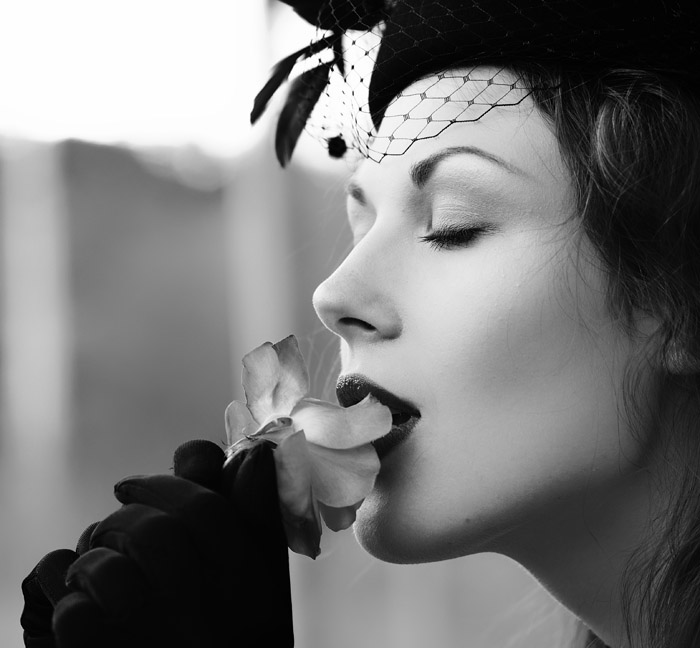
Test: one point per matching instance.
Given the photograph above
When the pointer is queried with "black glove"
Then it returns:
(198, 559)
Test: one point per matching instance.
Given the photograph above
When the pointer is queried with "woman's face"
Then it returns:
(499, 334)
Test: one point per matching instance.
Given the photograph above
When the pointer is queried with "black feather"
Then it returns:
(305, 92)
(280, 73)
(338, 53)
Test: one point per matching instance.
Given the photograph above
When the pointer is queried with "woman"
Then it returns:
(524, 282)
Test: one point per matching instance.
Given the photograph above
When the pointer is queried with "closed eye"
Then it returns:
(454, 236)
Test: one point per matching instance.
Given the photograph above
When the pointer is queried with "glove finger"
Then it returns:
(42, 590)
(84, 539)
(36, 614)
(51, 573)
(78, 622)
(200, 461)
(111, 580)
(159, 545)
(208, 517)
(105, 621)
(44, 641)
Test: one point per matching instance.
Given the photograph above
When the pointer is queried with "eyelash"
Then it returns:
(453, 237)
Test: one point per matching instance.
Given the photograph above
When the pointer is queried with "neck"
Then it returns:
(579, 553)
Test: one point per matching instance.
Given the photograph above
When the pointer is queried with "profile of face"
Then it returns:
(471, 293)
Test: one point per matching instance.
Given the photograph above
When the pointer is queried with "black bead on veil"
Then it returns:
(403, 63)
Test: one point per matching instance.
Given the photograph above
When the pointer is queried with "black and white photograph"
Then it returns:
(350, 324)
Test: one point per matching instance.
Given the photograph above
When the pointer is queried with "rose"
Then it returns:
(324, 460)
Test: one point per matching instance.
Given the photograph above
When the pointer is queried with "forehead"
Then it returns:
(430, 105)
(515, 132)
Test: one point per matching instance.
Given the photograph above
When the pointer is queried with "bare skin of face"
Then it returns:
(471, 292)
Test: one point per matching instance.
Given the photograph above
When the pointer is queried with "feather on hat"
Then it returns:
(423, 37)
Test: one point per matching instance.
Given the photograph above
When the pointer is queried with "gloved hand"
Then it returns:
(191, 560)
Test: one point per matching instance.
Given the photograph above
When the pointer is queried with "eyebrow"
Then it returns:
(422, 171)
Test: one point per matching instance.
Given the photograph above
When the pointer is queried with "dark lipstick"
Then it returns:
(352, 388)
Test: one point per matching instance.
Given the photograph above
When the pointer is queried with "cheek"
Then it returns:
(524, 382)
(520, 337)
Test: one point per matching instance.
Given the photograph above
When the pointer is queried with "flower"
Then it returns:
(324, 460)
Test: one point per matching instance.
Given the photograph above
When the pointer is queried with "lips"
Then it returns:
(352, 388)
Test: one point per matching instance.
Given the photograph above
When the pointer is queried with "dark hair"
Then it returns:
(631, 141)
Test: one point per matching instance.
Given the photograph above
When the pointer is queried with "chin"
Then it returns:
(393, 530)
(380, 538)
(389, 533)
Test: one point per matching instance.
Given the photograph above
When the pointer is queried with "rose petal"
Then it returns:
(342, 477)
(337, 519)
(294, 376)
(261, 374)
(303, 534)
(340, 428)
(293, 468)
(276, 429)
(239, 422)
(299, 513)
(275, 378)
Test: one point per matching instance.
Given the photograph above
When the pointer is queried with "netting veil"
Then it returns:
(413, 67)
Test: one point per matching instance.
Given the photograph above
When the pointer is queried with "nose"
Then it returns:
(356, 301)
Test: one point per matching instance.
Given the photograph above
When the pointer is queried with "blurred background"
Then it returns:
(149, 240)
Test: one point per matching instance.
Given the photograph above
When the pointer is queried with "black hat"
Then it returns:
(424, 37)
